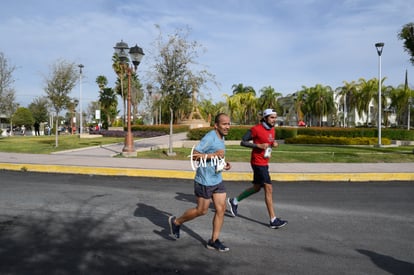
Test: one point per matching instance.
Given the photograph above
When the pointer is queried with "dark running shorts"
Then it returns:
(208, 191)
(261, 175)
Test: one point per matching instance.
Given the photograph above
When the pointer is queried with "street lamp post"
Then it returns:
(136, 53)
(80, 100)
(379, 47)
(409, 107)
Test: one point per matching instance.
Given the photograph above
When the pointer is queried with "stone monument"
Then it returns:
(195, 119)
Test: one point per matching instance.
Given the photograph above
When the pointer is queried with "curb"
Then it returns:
(228, 176)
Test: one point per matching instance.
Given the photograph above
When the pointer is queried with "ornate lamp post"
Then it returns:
(379, 47)
(136, 53)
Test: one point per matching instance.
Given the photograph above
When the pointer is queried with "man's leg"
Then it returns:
(219, 200)
(192, 213)
(248, 192)
(268, 188)
(233, 202)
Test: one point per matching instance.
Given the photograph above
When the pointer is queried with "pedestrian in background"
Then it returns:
(37, 128)
(208, 182)
(261, 138)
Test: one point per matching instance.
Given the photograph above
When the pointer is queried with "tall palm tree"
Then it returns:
(137, 94)
(107, 99)
(347, 98)
(102, 81)
(243, 104)
(368, 91)
(268, 98)
(108, 102)
(321, 100)
(121, 71)
(302, 105)
(240, 88)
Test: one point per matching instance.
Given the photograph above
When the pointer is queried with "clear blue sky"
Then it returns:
(280, 43)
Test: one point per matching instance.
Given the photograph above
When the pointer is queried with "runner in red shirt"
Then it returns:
(263, 139)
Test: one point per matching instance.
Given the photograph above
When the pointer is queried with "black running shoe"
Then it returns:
(217, 245)
(233, 207)
(277, 223)
(174, 229)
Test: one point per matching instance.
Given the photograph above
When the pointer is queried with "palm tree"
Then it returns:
(347, 98)
(368, 91)
(102, 81)
(239, 88)
(108, 101)
(137, 94)
(321, 100)
(120, 69)
(268, 98)
(243, 104)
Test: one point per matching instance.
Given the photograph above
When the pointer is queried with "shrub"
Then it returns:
(164, 128)
(237, 132)
(114, 133)
(303, 139)
(143, 131)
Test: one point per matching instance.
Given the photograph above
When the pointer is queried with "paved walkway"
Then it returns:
(100, 160)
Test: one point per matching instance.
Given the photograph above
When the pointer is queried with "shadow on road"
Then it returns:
(388, 263)
(86, 243)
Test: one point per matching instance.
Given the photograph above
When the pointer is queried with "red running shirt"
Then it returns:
(261, 135)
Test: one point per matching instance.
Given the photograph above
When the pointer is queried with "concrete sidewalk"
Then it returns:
(100, 160)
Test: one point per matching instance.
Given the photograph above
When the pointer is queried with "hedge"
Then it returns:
(336, 140)
(237, 132)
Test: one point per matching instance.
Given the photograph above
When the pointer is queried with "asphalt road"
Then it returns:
(77, 224)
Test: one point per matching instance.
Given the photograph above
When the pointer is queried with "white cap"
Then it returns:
(269, 112)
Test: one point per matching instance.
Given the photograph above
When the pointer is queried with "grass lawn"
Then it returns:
(285, 153)
(46, 144)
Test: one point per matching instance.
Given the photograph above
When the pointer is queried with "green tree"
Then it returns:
(59, 84)
(120, 69)
(109, 105)
(39, 109)
(108, 102)
(367, 91)
(243, 104)
(269, 99)
(407, 34)
(243, 108)
(23, 116)
(321, 101)
(102, 82)
(137, 94)
(348, 100)
(177, 72)
(209, 110)
(241, 89)
(399, 102)
(8, 103)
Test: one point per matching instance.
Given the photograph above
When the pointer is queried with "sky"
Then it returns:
(285, 44)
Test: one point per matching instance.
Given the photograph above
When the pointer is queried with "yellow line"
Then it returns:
(108, 171)
(229, 176)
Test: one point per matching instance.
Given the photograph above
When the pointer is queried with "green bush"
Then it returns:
(237, 132)
(366, 134)
(302, 139)
(398, 134)
(284, 133)
(163, 128)
(393, 134)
